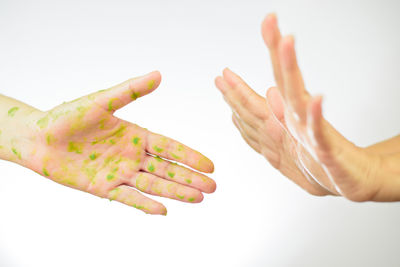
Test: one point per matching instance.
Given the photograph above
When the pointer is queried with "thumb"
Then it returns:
(122, 94)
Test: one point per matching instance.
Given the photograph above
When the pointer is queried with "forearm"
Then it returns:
(389, 146)
(16, 124)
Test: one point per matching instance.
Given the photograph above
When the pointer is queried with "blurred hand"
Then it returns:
(82, 145)
(288, 129)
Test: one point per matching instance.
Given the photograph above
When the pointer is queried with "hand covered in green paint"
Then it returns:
(82, 145)
(289, 130)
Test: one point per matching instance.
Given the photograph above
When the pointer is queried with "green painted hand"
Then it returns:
(81, 144)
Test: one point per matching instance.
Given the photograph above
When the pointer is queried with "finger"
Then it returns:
(122, 94)
(178, 174)
(157, 186)
(276, 103)
(252, 143)
(170, 149)
(272, 36)
(340, 157)
(234, 102)
(247, 96)
(249, 131)
(131, 197)
(295, 94)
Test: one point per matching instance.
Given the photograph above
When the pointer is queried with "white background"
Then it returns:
(53, 51)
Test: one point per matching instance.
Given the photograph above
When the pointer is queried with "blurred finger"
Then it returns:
(272, 36)
(252, 143)
(170, 149)
(131, 197)
(157, 186)
(230, 96)
(178, 174)
(247, 96)
(295, 93)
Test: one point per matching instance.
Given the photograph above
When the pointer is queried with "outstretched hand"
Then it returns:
(82, 145)
(289, 130)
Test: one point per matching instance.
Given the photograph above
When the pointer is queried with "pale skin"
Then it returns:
(288, 129)
(81, 144)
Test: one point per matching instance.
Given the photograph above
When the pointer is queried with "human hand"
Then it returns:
(82, 145)
(289, 130)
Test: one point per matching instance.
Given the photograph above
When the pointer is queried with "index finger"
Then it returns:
(170, 149)
(272, 37)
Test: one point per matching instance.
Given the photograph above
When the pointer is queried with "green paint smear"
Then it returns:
(15, 151)
(112, 141)
(12, 111)
(75, 147)
(158, 158)
(150, 84)
(191, 199)
(175, 156)
(120, 131)
(49, 139)
(114, 193)
(91, 174)
(135, 95)
(171, 174)
(136, 140)
(158, 149)
(151, 168)
(188, 181)
(110, 104)
(138, 206)
(101, 124)
(180, 197)
(45, 172)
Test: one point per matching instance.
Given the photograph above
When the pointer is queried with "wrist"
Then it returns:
(17, 135)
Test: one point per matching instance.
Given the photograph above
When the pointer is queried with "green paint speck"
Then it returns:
(75, 147)
(191, 199)
(150, 84)
(12, 111)
(171, 174)
(175, 156)
(43, 122)
(151, 167)
(135, 95)
(158, 149)
(49, 139)
(136, 140)
(138, 206)
(110, 104)
(158, 158)
(188, 181)
(180, 197)
(111, 175)
(93, 156)
(45, 172)
(15, 151)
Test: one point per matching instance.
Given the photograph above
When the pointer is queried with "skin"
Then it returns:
(81, 144)
(288, 129)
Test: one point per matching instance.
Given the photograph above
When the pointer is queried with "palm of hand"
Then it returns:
(82, 145)
(262, 124)
(292, 134)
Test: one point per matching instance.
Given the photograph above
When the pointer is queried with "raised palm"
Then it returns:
(82, 145)
(289, 130)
